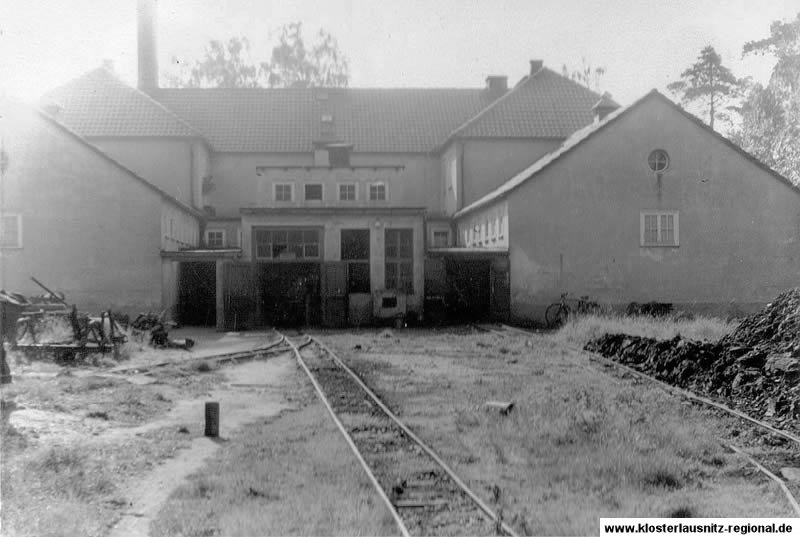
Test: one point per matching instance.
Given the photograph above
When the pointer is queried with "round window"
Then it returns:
(658, 160)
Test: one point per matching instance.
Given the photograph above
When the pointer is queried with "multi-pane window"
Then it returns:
(400, 260)
(441, 238)
(659, 228)
(355, 251)
(347, 192)
(313, 192)
(215, 238)
(283, 192)
(287, 243)
(11, 231)
(377, 192)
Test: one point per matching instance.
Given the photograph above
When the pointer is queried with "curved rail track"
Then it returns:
(423, 493)
(769, 469)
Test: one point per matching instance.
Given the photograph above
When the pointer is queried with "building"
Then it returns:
(340, 206)
(81, 222)
(647, 204)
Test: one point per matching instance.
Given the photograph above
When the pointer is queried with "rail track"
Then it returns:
(423, 493)
(775, 459)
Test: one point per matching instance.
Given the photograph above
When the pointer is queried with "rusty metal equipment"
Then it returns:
(80, 333)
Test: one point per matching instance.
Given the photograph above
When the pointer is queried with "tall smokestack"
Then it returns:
(148, 59)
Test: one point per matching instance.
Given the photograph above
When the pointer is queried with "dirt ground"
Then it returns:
(581, 441)
(73, 421)
(94, 450)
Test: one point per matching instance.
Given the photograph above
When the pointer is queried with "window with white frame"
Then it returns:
(215, 238)
(283, 191)
(658, 228)
(441, 238)
(11, 231)
(377, 192)
(313, 192)
(399, 256)
(347, 192)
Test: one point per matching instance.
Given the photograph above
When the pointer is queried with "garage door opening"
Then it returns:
(469, 292)
(289, 294)
(197, 292)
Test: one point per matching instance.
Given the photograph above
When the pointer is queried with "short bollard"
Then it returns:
(212, 419)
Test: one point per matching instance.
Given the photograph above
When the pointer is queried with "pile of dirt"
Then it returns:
(755, 368)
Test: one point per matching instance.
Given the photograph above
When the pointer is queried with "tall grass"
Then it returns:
(581, 329)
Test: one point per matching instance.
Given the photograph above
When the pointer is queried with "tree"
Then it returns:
(225, 65)
(710, 84)
(770, 128)
(291, 64)
(587, 75)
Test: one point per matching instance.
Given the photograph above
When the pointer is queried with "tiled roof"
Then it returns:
(99, 104)
(590, 130)
(542, 105)
(289, 120)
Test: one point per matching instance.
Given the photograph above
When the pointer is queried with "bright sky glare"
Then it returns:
(643, 44)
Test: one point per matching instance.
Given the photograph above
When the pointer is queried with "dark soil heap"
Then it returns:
(755, 368)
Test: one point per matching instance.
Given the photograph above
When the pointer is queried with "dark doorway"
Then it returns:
(289, 293)
(197, 293)
(469, 289)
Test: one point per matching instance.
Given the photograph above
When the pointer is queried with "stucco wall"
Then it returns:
(450, 173)
(331, 226)
(490, 163)
(576, 226)
(239, 185)
(100, 246)
(165, 162)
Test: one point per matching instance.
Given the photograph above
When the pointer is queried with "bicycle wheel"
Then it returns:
(555, 315)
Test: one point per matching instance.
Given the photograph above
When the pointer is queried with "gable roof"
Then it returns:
(289, 120)
(13, 104)
(377, 120)
(98, 104)
(589, 131)
(542, 105)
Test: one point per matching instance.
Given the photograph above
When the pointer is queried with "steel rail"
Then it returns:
(442, 464)
(778, 480)
(398, 520)
(224, 357)
(669, 387)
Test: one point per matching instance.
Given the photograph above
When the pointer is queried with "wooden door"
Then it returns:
(239, 296)
(500, 284)
(333, 284)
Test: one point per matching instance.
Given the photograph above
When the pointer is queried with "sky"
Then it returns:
(642, 44)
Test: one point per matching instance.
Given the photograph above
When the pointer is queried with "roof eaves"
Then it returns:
(148, 184)
(569, 144)
(581, 136)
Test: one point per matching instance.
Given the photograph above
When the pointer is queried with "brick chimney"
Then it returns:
(148, 57)
(496, 86)
(536, 65)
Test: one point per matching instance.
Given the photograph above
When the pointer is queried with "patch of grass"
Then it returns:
(73, 489)
(579, 444)
(295, 477)
(579, 330)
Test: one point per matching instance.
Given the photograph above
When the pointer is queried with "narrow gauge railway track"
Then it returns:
(424, 495)
(770, 463)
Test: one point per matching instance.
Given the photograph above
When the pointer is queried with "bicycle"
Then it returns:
(557, 313)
